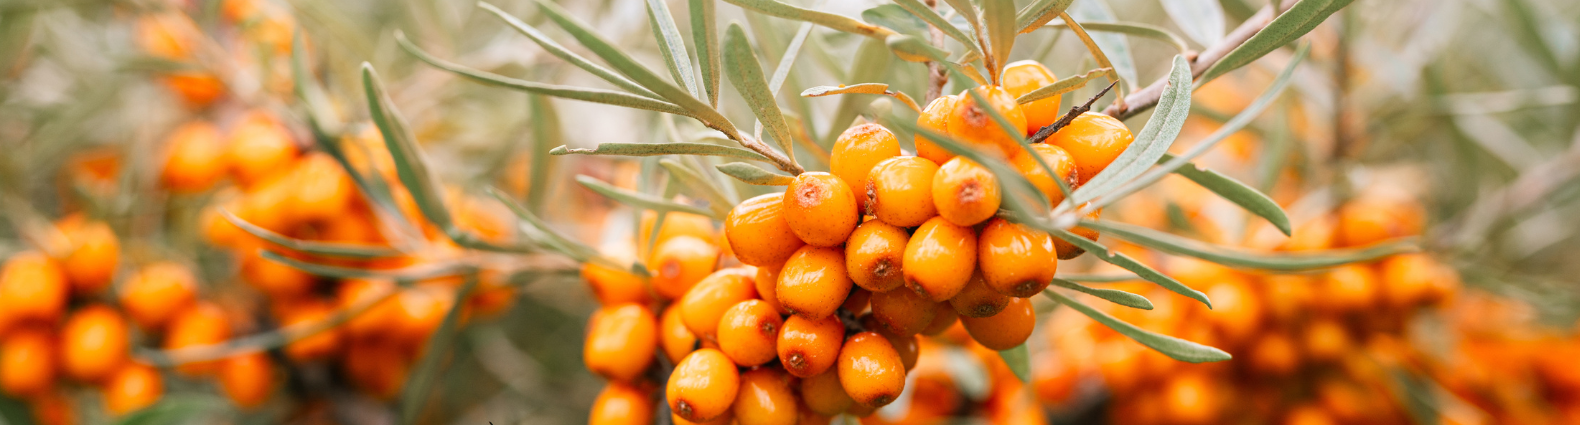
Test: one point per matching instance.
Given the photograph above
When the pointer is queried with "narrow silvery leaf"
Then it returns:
(705, 34)
(1125, 262)
(425, 374)
(699, 185)
(1284, 29)
(1152, 142)
(1019, 361)
(1281, 261)
(1239, 193)
(1114, 45)
(1064, 85)
(915, 7)
(747, 76)
(564, 54)
(998, 18)
(1136, 29)
(753, 175)
(1111, 295)
(1202, 20)
(672, 46)
(1175, 348)
(837, 22)
(638, 199)
(1039, 13)
(657, 149)
(327, 249)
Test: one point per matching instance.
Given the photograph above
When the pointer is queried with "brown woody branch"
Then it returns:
(1144, 99)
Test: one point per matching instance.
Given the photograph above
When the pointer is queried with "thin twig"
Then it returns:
(1075, 111)
(1144, 99)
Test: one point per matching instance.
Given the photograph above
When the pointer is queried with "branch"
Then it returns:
(1144, 99)
(1075, 111)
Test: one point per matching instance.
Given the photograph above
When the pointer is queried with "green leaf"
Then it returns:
(717, 201)
(175, 409)
(1091, 45)
(896, 18)
(998, 17)
(751, 174)
(412, 273)
(1018, 359)
(967, 10)
(1284, 29)
(1065, 85)
(747, 77)
(1038, 13)
(426, 372)
(1099, 278)
(862, 88)
(607, 97)
(656, 149)
(1125, 262)
(1152, 142)
(1280, 261)
(546, 132)
(931, 16)
(1136, 29)
(1239, 193)
(1202, 20)
(541, 232)
(1175, 348)
(640, 200)
(561, 52)
(837, 22)
(1114, 45)
(705, 33)
(320, 111)
(1111, 295)
(328, 249)
(671, 45)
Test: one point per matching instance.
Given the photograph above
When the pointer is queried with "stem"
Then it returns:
(1144, 99)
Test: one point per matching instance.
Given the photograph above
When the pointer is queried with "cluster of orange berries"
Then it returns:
(261, 29)
(1502, 368)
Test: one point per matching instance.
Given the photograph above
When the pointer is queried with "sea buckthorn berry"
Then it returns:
(1005, 330)
(824, 394)
(316, 346)
(821, 209)
(33, 287)
(1094, 140)
(196, 158)
(1016, 260)
(132, 388)
(972, 124)
(1308, 415)
(870, 370)
(258, 148)
(749, 331)
(420, 310)
(935, 118)
(978, 300)
(758, 232)
(1068, 250)
(275, 278)
(680, 263)
(703, 386)
(706, 302)
(765, 398)
(902, 190)
(1025, 76)
(1409, 279)
(676, 340)
(856, 151)
(198, 325)
(1350, 287)
(944, 317)
(940, 258)
(675, 224)
(1367, 221)
(95, 252)
(1191, 399)
(54, 408)
(1237, 313)
(765, 281)
(1326, 340)
(903, 311)
(1058, 160)
(377, 296)
(1274, 354)
(620, 342)
(27, 363)
(903, 344)
(247, 379)
(875, 254)
(612, 286)
(93, 343)
(727, 418)
(965, 192)
(157, 292)
(813, 282)
(324, 190)
(621, 404)
(377, 369)
(810, 347)
(857, 301)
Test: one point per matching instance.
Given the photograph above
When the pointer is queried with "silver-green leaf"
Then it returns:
(1111, 295)
(1175, 348)
(753, 175)
(1282, 261)
(746, 74)
(657, 149)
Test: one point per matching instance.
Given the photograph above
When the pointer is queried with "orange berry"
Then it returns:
(749, 332)
(275, 278)
(940, 258)
(857, 301)
(419, 312)
(94, 343)
(614, 286)
(1023, 77)
(970, 122)
(759, 233)
(903, 311)
(765, 398)
(727, 418)
(1016, 260)
(936, 118)
(33, 287)
(94, 255)
(53, 409)
(870, 370)
(821, 209)
(978, 300)
(809, 347)
(902, 190)
(259, 147)
(1367, 221)
(376, 369)
(1068, 250)
(703, 386)
(132, 388)
(381, 315)
(324, 190)
(905, 345)
(824, 394)
(813, 282)
(680, 263)
(620, 342)
(1274, 354)
(1058, 160)
(675, 224)
(27, 363)
(1094, 140)
(1408, 279)
(1237, 313)
(1350, 287)
(247, 379)
(1190, 398)
(874, 256)
(1005, 330)
(856, 151)
(196, 88)
(965, 192)
(944, 317)
(1308, 415)
(676, 340)
(621, 404)
(1326, 340)
(706, 302)
(765, 281)
(316, 346)
(199, 325)
(157, 292)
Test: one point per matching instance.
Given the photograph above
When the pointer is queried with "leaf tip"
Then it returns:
(561, 150)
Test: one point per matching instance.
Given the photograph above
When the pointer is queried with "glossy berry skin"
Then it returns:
(703, 386)
(1094, 140)
(749, 331)
(258, 148)
(809, 347)
(675, 224)
(765, 398)
(247, 379)
(1066, 250)
(870, 370)
(679, 263)
(875, 255)
(856, 151)
(94, 343)
(902, 311)
(611, 286)
(33, 287)
(620, 342)
(813, 282)
(675, 338)
(939, 258)
(936, 118)
(1058, 160)
(758, 233)
(705, 303)
(978, 300)
(195, 160)
(971, 123)
(965, 192)
(200, 324)
(824, 394)
(157, 293)
(95, 253)
(944, 317)
(132, 388)
(766, 280)
(621, 404)
(902, 190)
(821, 209)
(1350, 287)
(1005, 330)
(27, 362)
(1016, 260)
(1023, 77)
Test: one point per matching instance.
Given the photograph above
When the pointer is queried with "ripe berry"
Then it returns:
(1094, 140)
(813, 282)
(703, 386)
(1367, 221)
(870, 370)
(259, 147)
(1237, 313)
(856, 151)
(1409, 278)
(274, 278)
(965, 192)
(1068, 250)
(758, 232)
(247, 379)
(679, 263)
(706, 302)
(1058, 160)
(970, 122)
(676, 339)
(749, 331)
(1016, 260)
(765, 398)
(821, 209)
(765, 281)
(1007, 329)
(809, 347)
(27, 363)
(621, 404)
(903, 311)
(906, 345)
(198, 325)
(857, 301)
(620, 342)
(157, 292)
(94, 343)
(874, 256)
(1350, 287)
(376, 369)
(420, 310)
(824, 394)
(33, 287)
(939, 258)
(944, 317)
(195, 159)
(1326, 340)
(1191, 399)
(132, 388)
(1024, 76)
(95, 252)
(614, 286)
(936, 118)
(318, 346)
(978, 300)
(675, 224)
(902, 190)
(1274, 354)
